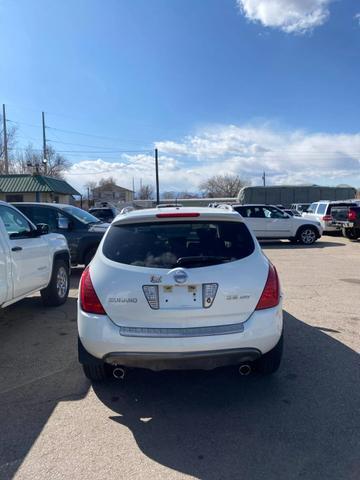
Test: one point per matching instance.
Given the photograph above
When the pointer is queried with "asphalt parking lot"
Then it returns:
(304, 422)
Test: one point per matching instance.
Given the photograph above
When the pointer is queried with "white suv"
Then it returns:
(179, 288)
(270, 222)
(321, 211)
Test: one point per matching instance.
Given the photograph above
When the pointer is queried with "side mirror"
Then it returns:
(63, 223)
(42, 228)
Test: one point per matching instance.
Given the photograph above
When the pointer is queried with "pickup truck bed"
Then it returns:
(348, 219)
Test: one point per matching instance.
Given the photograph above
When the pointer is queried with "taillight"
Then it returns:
(89, 301)
(327, 218)
(270, 296)
(209, 294)
(351, 215)
(151, 293)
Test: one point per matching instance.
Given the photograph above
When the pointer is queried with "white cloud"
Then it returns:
(357, 17)
(286, 156)
(291, 16)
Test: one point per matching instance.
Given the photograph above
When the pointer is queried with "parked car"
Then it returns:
(300, 207)
(82, 230)
(31, 259)
(348, 220)
(179, 289)
(105, 214)
(269, 222)
(321, 211)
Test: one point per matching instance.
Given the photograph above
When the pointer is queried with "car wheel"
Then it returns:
(96, 372)
(89, 256)
(270, 361)
(350, 233)
(307, 235)
(57, 291)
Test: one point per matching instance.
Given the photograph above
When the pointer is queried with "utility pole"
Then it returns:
(44, 143)
(157, 176)
(5, 143)
(264, 179)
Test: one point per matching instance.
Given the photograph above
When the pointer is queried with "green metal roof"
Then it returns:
(34, 183)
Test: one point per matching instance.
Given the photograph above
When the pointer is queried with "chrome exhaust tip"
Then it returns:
(245, 369)
(119, 373)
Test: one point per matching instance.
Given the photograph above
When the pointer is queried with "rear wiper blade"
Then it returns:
(202, 259)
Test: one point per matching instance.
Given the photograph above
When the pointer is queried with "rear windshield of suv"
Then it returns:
(102, 213)
(174, 244)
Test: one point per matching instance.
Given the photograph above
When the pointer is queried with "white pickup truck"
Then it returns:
(31, 259)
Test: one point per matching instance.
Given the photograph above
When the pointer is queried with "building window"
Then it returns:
(14, 198)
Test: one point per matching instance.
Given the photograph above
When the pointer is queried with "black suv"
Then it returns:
(82, 230)
(106, 214)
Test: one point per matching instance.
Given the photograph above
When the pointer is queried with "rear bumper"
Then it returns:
(183, 361)
(101, 338)
(330, 227)
(340, 225)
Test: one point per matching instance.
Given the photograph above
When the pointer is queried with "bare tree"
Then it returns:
(186, 194)
(57, 164)
(32, 160)
(222, 186)
(107, 181)
(89, 186)
(170, 195)
(146, 192)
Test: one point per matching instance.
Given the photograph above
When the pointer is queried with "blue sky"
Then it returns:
(274, 78)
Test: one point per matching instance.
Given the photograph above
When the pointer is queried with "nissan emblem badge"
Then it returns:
(180, 276)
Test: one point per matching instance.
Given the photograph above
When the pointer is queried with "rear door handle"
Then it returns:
(16, 249)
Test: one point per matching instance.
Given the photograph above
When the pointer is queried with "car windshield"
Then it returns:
(81, 215)
(187, 244)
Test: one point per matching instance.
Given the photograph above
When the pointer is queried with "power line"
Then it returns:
(83, 145)
(84, 134)
(81, 152)
(23, 123)
(111, 151)
(16, 122)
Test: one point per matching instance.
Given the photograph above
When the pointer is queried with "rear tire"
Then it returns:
(56, 293)
(350, 233)
(270, 361)
(307, 235)
(95, 372)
